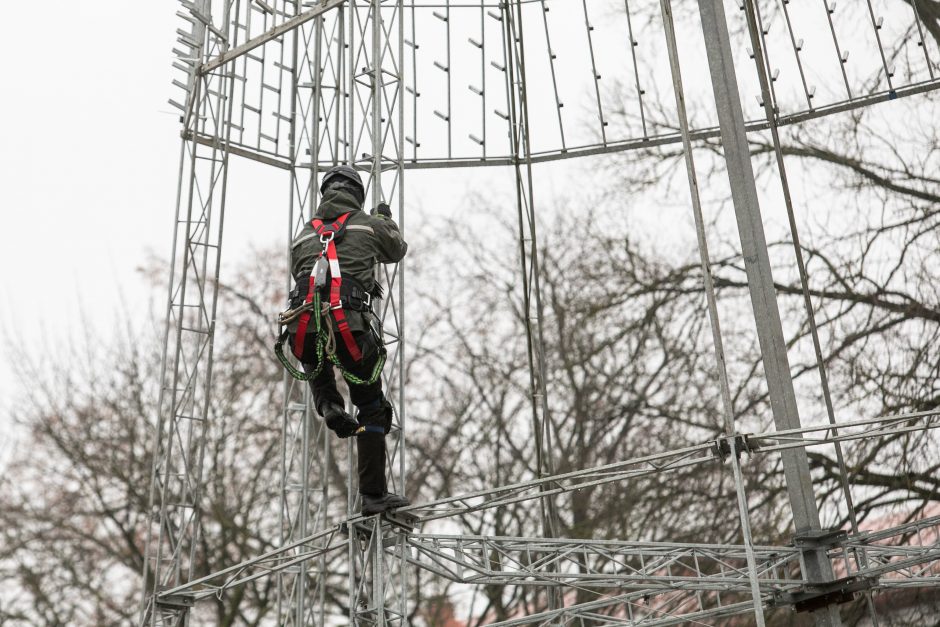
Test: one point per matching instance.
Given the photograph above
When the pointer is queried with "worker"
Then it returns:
(335, 256)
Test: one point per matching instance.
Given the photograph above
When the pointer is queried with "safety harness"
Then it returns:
(327, 263)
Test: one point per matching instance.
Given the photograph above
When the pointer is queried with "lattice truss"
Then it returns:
(392, 85)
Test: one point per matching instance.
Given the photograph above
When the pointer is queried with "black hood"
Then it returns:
(336, 202)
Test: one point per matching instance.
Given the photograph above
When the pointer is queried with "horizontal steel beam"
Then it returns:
(675, 138)
(271, 562)
(666, 139)
(272, 159)
(671, 460)
(601, 563)
(598, 613)
(897, 557)
(237, 149)
(265, 37)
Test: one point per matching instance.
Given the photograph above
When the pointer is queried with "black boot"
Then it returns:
(376, 417)
(370, 447)
(372, 505)
(338, 420)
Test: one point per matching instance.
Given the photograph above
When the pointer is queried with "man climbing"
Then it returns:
(331, 322)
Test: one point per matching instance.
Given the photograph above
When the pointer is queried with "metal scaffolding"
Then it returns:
(301, 86)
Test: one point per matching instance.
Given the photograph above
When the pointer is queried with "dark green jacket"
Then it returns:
(368, 240)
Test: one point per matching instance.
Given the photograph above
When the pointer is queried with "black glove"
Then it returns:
(383, 210)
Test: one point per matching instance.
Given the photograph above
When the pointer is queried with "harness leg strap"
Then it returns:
(336, 306)
(303, 323)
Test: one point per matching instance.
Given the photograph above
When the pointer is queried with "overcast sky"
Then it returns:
(88, 172)
(87, 163)
(89, 160)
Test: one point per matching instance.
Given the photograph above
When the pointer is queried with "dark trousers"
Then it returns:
(369, 399)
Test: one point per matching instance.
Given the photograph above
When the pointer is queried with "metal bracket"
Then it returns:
(818, 595)
(721, 447)
(175, 601)
(820, 538)
(403, 520)
(813, 596)
(361, 528)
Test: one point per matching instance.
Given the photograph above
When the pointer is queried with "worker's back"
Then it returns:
(336, 327)
(366, 240)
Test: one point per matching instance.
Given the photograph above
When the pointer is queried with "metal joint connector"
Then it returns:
(816, 596)
(820, 538)
(176, 601)
(722, 446)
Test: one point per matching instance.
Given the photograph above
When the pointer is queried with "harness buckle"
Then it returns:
(319, 272)
(326, 238)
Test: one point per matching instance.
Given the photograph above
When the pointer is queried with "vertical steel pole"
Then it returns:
(317, 119)
(300, 529)
(377, 576)
(176, 483)
(357, 569)
(378, 566)
(542, 426)
(378, 573)
(301, 467)
(764, 74)
(401, 554)
(727, 405)
(761, 286)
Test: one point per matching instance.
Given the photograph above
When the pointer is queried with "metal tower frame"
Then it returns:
(300, 86)
(186, 378)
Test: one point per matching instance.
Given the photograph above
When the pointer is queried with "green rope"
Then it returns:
(322, 337)
(376, 371)
(291, 370)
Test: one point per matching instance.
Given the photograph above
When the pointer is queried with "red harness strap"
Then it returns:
(336, 306)
(336, 282)
(304, 321)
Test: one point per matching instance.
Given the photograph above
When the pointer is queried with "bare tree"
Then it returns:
(75, 496)
(630, 371)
